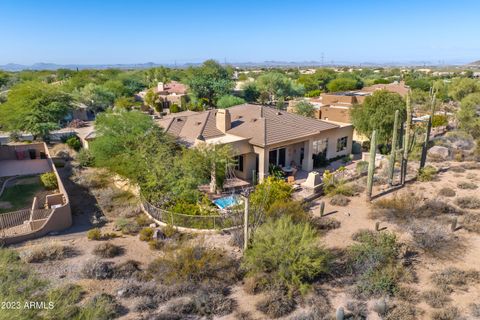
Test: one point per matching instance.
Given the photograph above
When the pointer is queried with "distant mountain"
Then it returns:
(54, 66)
(475, 63)
(268, 64)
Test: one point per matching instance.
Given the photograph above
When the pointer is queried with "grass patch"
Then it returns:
(453, 278)
(435, 298)
(471, 222)
(20, 195)
(449, 313)
(339, 200)
(467, 185)
(433, 238)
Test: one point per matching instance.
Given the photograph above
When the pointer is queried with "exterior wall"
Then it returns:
(338, 114)
(249, 162)
(8, 152)
(333, 135)
(60, 218)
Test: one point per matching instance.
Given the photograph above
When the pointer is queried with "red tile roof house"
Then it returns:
(260, 136)
(171, 92)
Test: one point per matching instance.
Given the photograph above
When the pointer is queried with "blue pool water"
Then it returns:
(226, 202)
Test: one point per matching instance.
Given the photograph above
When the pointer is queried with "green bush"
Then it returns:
(174, 108)
(74, 143)
(362, 167)
(49, 180)
(374, 260)
(428, 173)
(293, 209)
(287, 253)
(94, 234)
(146, 234)
(85, 158)
(270, 191)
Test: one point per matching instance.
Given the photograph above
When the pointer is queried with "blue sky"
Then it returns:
(100, 32)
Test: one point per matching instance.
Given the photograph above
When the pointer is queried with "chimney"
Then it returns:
(160, 87)
(224, 121)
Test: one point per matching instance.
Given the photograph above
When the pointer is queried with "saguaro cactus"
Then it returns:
(406, 143)
(371, 164)
(322, 208)
(394, 149)
(340, 314)
(423, 158)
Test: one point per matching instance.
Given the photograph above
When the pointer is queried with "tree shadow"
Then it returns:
(83, 204)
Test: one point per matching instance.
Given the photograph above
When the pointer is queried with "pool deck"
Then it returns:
(10, 168)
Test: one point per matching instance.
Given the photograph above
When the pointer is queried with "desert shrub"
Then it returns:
(74, 143)
(194, 264)
(471, 165)
(471, 222)
(85, 158)
(96, 234)
(432, 238)
(374, 260)
(213, 304)
(107, 250)
(435, 298)
(399, 207)
(471, 176)
(146, 234)
(407, 294)
(287, 252)
(145, 304)
(452, 277)
(142, 220)
(427, 173)
(255, 284)
(48, 252)
(333, 185)
(448, 313)
(339, 200)
(294, 209)
(276, 304)
(474, 309)
(402, 311)
(127, 226)
(447, 192)
(101, 307)
(457, 169)
(97, 269)
(468, 202)
(270, 191)
(49, 180)
(357, 309)
(467, 185)
(362, 167)
(156, 244)
(126, 270)
(324, 223)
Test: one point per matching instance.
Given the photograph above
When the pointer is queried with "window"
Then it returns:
(342, 144)
(277, 157)
(320, 146)
(239, 163)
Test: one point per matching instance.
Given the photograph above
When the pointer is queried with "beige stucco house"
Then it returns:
(260, 136)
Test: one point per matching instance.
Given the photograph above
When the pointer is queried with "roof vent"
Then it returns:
(179, 119)
(200, 137)
(198, 123)
(279, 113)
(253, 120)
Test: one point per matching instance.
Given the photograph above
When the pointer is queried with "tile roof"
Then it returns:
(262, 125)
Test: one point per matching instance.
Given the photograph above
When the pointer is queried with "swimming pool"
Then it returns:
(226, 202)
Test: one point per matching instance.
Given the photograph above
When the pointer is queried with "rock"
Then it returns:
(438, 152)
(158, 235)
(152, 225)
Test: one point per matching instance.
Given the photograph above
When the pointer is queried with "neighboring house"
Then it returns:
(260, 136)
(397, 87)
(334, 106)
(170, 93)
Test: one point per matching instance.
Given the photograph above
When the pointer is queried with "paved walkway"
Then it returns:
(23, 167)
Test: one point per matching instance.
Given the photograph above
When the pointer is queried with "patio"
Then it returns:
(10, 168)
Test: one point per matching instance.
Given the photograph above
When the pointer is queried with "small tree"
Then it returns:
(287, 252)
(305, 108)
(228, 101)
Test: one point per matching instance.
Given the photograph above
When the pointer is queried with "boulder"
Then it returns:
(438, 152)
